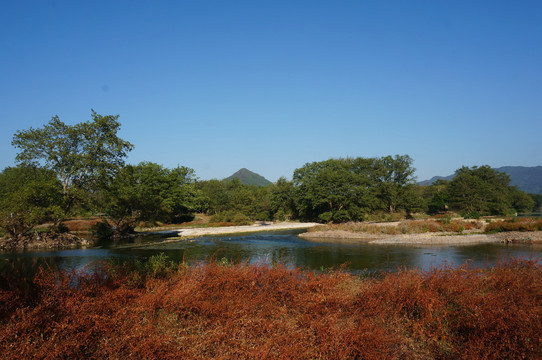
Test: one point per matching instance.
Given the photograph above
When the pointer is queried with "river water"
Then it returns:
(276, 247)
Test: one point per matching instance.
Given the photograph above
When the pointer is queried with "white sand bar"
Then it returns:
(243, 229)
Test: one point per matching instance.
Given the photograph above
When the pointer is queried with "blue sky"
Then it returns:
(272, 85)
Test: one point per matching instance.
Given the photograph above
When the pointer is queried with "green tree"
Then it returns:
(394, 176)
(149, 192)
(412, 199)
(480, 189)
(334, 190)
(537, 202)
(227, 198)
(282, 204)
(28, 196)
(521, 201)
(80, 155)
(437, 197)
(346, 189)
(215, 196)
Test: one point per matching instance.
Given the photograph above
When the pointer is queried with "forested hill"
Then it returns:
(528, 179)
(248, 177)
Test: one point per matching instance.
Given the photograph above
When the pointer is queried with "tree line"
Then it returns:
(77, 170)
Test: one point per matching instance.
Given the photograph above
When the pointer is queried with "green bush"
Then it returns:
(326, 217)
(102, 231)
(445, 219)
(233, 217)
(241, 219)
(341, 216)
(159, 266)
(280, 215)
(471, 215)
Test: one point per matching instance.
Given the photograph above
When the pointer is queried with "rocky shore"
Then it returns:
(44, 241)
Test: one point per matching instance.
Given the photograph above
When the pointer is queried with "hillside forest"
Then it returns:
(65, 171)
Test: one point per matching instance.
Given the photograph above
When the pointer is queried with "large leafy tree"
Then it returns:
(346, 189)
(80, 155)
(394, 179)
(149, 192)
(28, 197)
(521, 201)
(334, 190)
(282, 199)
(227, 198)
(480, 189)
(215, 196)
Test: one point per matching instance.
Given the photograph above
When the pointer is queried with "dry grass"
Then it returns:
(81, 225)
(403, 227)
(515, 224)
(242, 311)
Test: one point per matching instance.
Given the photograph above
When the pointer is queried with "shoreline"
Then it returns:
(335, 236)
(436, 238)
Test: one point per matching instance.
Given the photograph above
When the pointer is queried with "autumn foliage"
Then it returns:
(515, 224)
(219, 310)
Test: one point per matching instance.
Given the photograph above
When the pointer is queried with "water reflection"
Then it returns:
(275, 247)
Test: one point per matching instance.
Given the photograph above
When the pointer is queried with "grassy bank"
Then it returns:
(218, 310)
(403, 227)
(515, 224)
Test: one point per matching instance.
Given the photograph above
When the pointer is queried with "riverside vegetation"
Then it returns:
(69, 171)
(221, 310)
(216, 309)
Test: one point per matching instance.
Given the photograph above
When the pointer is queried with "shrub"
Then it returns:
(515, 224)
(231, 217)
(404, 227)
(102, 231)
(280, 215)
(208, 310)
(341, 216)
(472, 215)
(326, 217)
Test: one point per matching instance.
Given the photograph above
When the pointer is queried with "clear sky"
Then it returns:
(272, 85)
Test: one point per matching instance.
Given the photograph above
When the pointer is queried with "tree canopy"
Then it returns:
(149, 192)
(347, 189)
(79, 154)
(28, 196)
(480, 189)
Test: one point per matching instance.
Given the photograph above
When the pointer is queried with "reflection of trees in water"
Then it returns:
(18, 272)
(488, 254)
(359, 258)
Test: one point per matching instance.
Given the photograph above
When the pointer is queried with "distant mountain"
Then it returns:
(248, 177)
(435, 178)
(528, 179)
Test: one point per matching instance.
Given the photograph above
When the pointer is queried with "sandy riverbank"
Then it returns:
(425, 238)
(243, 229)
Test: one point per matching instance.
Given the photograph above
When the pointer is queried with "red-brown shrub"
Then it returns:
(81, 224)
(515, 224)
(209, 310)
